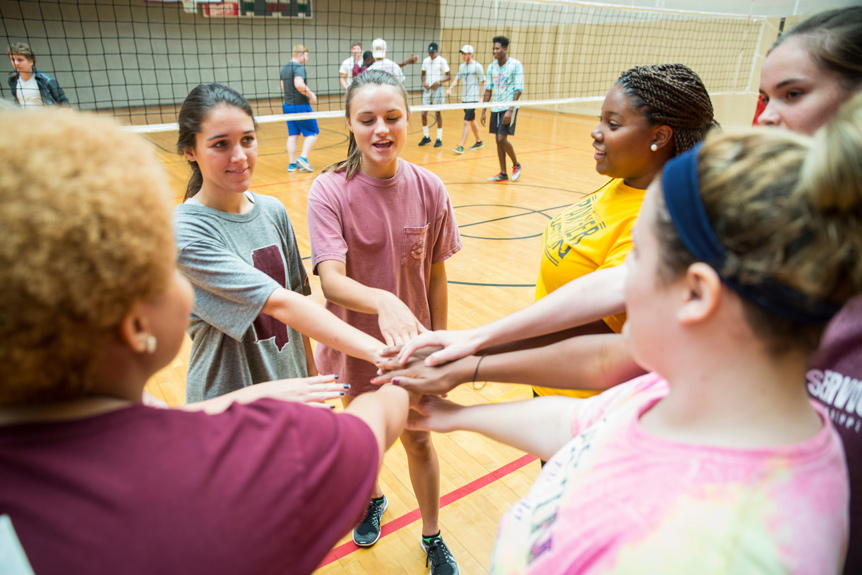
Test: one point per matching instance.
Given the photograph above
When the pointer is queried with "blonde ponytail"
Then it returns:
(830, 182)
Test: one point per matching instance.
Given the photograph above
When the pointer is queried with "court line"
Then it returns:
(398, 523)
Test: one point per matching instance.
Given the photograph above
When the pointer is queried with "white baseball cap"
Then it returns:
(378, 48)
(466, 49)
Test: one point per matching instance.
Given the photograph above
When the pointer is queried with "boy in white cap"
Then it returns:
(435, 71)
(471, 72)
(381, 62)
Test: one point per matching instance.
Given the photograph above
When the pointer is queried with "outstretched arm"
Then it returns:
(582, 300)
(311, 319)
(397, 323)
(543, 424)
(385, 412)
(311, 390)
(595, 362)
(411, 60)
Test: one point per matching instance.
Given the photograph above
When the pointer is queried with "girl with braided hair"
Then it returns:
(652, 114)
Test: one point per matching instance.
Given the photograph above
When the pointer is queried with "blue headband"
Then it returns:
(689, 218)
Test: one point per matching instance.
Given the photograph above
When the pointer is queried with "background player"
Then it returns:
(471, 73)
(435, 71)
(504, 83)
(298, 98)
(346, 71)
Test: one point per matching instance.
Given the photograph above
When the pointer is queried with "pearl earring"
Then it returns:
(151, 343)
(654, 148)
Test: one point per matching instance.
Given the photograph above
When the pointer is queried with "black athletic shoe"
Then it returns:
(424, 140)
(439, 557)
(367, 532)
(438, 143)
(477, 146)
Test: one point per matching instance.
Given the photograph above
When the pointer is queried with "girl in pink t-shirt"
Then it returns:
(381, 229)
(718, 461)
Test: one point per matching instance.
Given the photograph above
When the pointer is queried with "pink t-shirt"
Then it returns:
(264, 488)
(615, 500)
(387, 233)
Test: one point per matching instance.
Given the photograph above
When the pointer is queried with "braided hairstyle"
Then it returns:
(671, 94)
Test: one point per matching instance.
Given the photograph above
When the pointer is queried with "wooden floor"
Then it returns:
(501, 226)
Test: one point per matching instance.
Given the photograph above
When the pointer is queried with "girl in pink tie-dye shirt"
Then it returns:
(717, 462)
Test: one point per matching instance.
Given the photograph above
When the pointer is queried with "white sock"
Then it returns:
(439, 133)
(425, 131)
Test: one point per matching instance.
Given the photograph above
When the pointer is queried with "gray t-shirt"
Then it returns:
(292, 96)
(235, 262)
(472, 75)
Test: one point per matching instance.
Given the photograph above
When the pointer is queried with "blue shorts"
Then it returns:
(297, 127)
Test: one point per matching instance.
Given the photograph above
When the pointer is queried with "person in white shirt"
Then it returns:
(381, 62)
(473, 75)
(435, 71)
(31, 87)
(345, 72)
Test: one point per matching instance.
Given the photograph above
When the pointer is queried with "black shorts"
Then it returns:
(497, 125)
(469, 115)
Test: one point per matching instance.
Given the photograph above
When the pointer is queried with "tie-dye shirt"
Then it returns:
(615, 500)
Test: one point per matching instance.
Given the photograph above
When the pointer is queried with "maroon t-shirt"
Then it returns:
(834, 380)
(262, 488)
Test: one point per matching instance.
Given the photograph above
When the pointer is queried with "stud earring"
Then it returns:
(151, 344)
(654, 148)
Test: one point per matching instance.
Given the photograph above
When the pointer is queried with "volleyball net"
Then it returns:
(138, 59)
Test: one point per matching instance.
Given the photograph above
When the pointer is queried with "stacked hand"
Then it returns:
(309, 390)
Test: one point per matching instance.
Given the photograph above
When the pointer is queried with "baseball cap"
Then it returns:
(432, 47)
(466, 49)
(378, 48)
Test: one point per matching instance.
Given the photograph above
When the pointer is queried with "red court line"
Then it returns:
(408, 518)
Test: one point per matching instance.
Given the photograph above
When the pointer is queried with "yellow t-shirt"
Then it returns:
(594, 234)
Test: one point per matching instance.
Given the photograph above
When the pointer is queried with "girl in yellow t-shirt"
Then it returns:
(652, 114)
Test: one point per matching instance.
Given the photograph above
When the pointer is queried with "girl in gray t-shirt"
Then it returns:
(250, 322)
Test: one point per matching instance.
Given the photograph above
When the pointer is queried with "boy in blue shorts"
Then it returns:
(298, 98)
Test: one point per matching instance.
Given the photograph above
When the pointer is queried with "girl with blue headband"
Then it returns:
(717, 461)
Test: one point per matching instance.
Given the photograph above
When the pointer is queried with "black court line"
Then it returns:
(527, 212)
(523, 185)
(492, 285)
